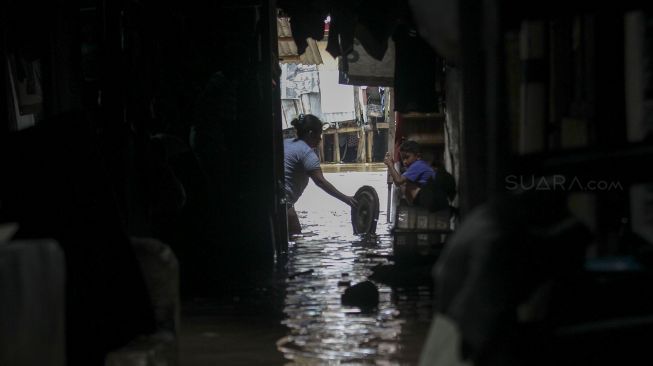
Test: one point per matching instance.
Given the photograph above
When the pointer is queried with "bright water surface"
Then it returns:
(321, 331)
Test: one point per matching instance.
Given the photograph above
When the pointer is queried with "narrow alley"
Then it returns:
(312, 326)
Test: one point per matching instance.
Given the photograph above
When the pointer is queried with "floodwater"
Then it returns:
(328, 256)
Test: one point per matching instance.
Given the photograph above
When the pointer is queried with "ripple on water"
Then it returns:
(327, 255)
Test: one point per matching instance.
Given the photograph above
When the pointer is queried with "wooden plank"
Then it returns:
(342, 130)
(426, 139)
(352, 129)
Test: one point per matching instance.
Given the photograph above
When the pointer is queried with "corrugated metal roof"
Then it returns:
(288, 48)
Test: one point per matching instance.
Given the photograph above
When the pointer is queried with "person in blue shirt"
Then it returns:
(301, 162)
(418, 172)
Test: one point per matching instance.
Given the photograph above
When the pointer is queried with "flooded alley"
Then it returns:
(185, 183)
(313, 327)
(320, 329)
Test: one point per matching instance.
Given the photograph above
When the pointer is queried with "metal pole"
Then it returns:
(387, 212)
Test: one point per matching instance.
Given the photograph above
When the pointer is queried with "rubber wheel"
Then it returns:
(365, 216)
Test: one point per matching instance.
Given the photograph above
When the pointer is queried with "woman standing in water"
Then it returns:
(301, 162)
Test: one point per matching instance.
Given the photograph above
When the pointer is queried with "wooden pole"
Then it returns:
(321, 151)
(360, 147)
(370, 143)
(336, 147)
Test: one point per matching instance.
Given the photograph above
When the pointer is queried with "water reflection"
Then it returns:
(342, 168)
(326, 258)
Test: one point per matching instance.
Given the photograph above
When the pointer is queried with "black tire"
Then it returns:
(365, 217)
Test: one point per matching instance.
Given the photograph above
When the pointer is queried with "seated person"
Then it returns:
(417, 173)
(420, 183)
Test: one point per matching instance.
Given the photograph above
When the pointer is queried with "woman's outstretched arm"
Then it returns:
(319, 179)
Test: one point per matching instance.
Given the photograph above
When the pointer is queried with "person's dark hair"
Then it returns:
(410, 146)
(305, 123)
